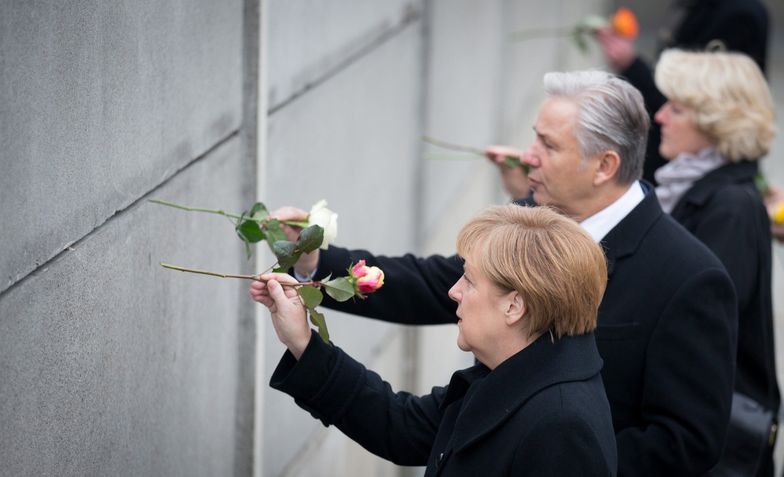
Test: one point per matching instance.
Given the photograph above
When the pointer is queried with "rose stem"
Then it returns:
(296, 223)
(230, 275)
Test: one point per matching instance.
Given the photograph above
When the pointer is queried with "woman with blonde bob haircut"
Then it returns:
(727, 96)
(524, 251)
(717, 123)
(535, 402)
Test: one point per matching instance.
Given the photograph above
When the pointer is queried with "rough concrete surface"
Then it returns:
(100, 102)
(352, 141)
(311, 39)
(112, 365)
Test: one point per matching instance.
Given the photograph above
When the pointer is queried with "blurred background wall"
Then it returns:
(111, 365)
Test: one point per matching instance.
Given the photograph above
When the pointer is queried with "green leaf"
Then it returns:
(286, 253)
(579, 40)
(512, 161)
(321, 323)
(258, 211)
(249, 231)
(274, 232)
(761, 184)
(310, 238)
(340, 289)
(311, 296)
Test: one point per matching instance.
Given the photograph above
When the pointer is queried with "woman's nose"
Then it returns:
(453, 293)
(659, 116)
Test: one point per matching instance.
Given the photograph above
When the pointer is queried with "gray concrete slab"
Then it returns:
(353, 141)
(310, 39)
(466, 47)
(112, 365)
(100, 103)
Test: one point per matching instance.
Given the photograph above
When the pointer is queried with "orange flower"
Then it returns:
(624, 23)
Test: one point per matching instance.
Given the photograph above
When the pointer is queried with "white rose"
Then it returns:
(328, 220)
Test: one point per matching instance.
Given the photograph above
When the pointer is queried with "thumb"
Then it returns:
(276, 292)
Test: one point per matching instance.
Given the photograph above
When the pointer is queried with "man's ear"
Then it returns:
(515, 310)
(606, 168)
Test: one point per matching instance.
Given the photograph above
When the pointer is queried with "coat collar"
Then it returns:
(704, 188)
(499, 393)
(625, 238)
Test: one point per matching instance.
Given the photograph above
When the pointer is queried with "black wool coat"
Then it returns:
(742, 25)
(667, 334)
(724, 210)
(542, 412)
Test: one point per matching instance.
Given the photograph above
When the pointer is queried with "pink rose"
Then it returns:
(359, 270)
(366, 279)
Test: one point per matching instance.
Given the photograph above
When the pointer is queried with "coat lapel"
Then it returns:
(702, 190)
(625, 238)
(498, 394)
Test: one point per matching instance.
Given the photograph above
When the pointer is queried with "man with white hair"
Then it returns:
(667, 324)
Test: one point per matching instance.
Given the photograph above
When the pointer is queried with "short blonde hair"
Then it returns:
(729, 96)
(555, 266)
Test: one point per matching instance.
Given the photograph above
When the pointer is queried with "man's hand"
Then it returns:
(307, 263)
(289, 318)
(514, 178)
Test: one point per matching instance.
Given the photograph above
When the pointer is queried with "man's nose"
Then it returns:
(530, 157)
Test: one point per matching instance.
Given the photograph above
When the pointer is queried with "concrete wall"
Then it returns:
(352, 88)
(109, 364)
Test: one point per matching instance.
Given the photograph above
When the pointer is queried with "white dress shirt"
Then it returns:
(599, 224)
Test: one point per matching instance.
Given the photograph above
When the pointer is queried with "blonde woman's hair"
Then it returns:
(555, 266)
(729, 96)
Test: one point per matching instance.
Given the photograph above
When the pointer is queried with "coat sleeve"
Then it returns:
(561, 445)
(414, 292)
(340, 391)
(687, 383)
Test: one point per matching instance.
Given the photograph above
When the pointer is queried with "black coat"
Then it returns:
(542, 412)
(667, 334)
(742, 25)
(725, 211)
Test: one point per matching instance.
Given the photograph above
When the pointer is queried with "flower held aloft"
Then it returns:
(366, 279)
(326, 219)
(623, 23)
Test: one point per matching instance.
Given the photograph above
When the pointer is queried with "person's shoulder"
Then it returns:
(735, 198)
(582, 400)
(667, 248)
(751, 7)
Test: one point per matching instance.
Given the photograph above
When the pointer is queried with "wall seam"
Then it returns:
(410, 17)
(70, 246)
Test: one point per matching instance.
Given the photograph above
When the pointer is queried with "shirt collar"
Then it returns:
(599, 224)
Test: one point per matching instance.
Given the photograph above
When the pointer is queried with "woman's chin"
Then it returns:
(462, 344)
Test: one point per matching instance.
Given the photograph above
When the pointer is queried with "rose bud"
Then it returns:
(366, 279)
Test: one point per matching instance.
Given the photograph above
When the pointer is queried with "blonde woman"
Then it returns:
(534, 405)
(717, 123)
